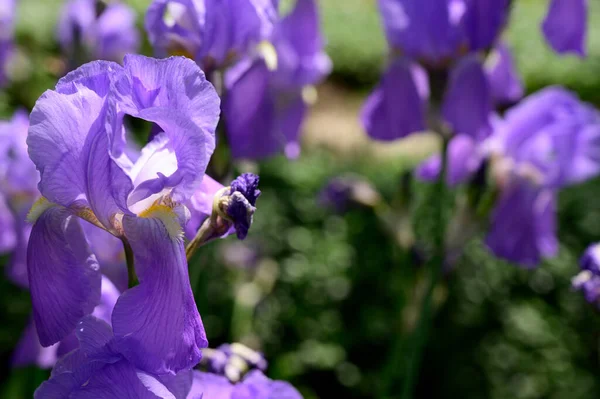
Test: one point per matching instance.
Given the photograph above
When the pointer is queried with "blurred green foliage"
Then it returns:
(326, 296)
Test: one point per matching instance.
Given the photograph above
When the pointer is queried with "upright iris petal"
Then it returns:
(565, 26)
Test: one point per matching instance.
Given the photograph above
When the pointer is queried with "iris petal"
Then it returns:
(157, 323)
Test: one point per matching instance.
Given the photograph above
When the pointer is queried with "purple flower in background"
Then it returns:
(588, 280)
(98, 370)
(102, 30)
(255, 385)
(436, 40)
(78, 143)
(267, 97)
(548, 141)
(7, 27)
(565, 26)
(551, 137)
(18, 191)
(215, 33)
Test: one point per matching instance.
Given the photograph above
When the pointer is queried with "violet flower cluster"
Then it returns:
(548, 141)
(269, 65)
(437, 76)
(143, 340)
(436, 70)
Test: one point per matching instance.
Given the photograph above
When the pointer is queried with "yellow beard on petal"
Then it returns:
(167, 216)
(38, 207)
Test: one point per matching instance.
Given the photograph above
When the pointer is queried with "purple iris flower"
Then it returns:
(103, 30)
(588, 280)
(267, 97)
(98, 370)
(215, 33)
(18, 191)
(548, 141)
(255, 385)
(78, 143)
(7, 27)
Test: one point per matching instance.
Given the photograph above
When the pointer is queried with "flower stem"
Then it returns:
(132, 277)
(421, 333)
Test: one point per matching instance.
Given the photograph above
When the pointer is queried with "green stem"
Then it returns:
(132, 277)
(421, 334)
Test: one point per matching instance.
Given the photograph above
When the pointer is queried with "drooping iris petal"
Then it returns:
(504, 78)
(464, 158)
(157, 323)
(69, 146)
(64, 276)
(523, 226)
(468, 100)
(424, 29)
(483, 21)
(396, 108)
(565, 26)
(175, 95)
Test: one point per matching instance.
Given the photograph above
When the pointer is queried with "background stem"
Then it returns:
(421, 334)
